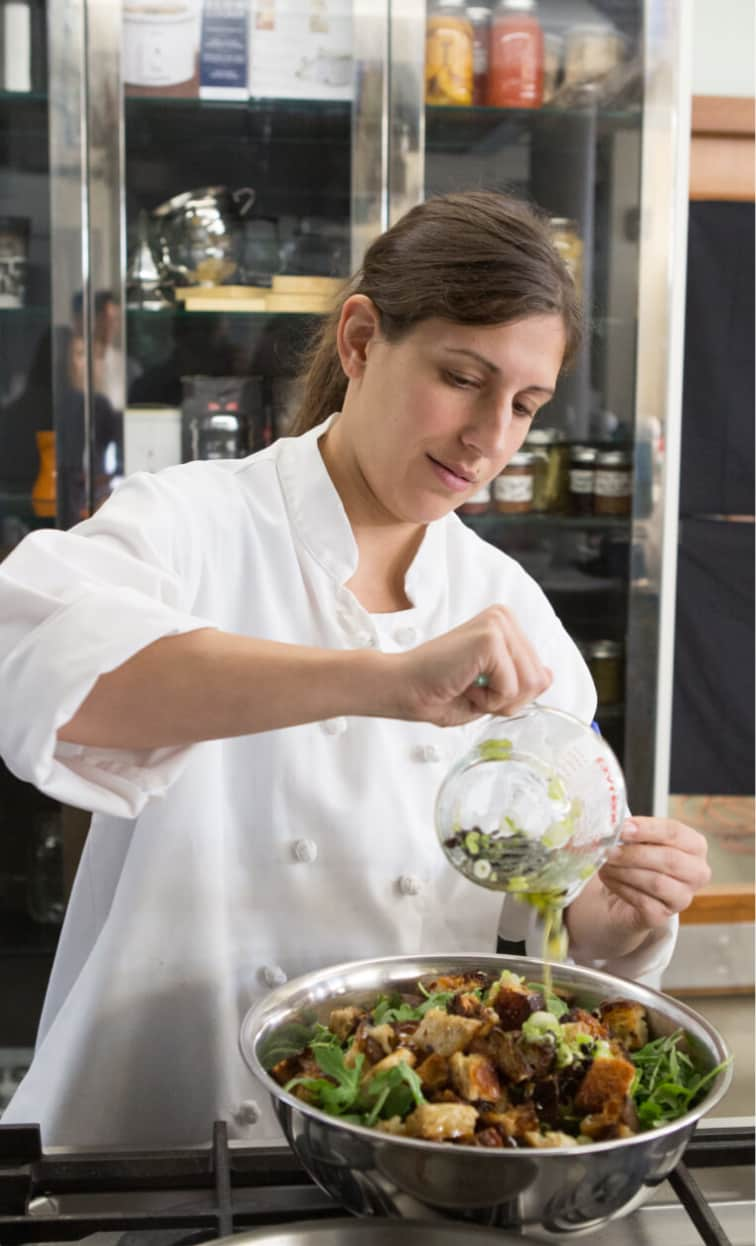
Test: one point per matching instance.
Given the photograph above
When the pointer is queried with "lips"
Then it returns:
(453, 475)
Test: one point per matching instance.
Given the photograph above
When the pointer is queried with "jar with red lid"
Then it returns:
(515, 60)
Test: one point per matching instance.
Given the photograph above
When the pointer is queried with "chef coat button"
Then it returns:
(305, 850)
(247, 1113)
(427, 752)
(405, 635)
(334, 726)
(409, 885)
(273, 975)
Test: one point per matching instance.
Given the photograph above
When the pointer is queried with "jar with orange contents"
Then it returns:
(515, 69)
(448, 54)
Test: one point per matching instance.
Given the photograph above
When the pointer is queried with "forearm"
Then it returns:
(208, 684)
(594, 929)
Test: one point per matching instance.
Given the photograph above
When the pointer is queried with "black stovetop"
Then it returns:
(62, 1195)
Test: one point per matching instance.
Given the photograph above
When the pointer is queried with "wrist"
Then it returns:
(370, 682)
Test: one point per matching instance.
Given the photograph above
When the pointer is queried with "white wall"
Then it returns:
(723, 47)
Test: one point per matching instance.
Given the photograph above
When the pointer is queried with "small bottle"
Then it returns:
(448, 54)
(45, 489)
(515, 61)
(605, 661)
(478, 504)
(480, 17)
(513, 488)
(551, 467)
(582, 467)
(613, 483)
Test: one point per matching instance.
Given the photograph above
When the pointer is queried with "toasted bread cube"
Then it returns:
(439, 1121)
(444, 1034)
(626, 1021)
(552, 1137)
(578, 1021)
(605, 1086)
(343, 1020)
(434, 1071)
(514, 1005)
(394, 1125)
(515, 1122)
(402, 1055)
(384, 1036)
(474, 1077)
(517, 1058)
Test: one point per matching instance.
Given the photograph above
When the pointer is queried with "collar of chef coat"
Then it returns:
(321, 523)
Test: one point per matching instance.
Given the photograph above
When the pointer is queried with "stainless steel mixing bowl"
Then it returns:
(549, 1192)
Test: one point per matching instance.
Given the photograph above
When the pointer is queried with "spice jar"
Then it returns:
(569, 244)
(448, 54)
(613, 483)
(605, 661)
(513, 488)
(581, 473)
(550, 485)
(479, 16)
(515, 62)
(478, 504)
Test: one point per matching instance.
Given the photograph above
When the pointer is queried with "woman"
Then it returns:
(256, 674)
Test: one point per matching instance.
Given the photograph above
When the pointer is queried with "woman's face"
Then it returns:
(429, 420)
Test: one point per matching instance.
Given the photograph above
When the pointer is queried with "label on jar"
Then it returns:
(510, 488)
(581, 480)
(612, 484)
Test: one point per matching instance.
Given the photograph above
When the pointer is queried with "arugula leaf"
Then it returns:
(667, 1083)
(390, 1008)
(338, 1094)
(392, 1092)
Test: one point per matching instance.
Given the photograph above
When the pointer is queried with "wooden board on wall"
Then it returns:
(722, 148)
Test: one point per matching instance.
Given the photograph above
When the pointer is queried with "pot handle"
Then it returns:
(247, 195)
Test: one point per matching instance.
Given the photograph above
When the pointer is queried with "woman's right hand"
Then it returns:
(484, 666)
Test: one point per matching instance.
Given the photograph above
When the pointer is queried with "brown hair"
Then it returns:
(476, 257)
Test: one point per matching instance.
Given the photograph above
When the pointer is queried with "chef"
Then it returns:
(256, 674)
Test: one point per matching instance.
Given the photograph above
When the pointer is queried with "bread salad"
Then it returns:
(479, 1061)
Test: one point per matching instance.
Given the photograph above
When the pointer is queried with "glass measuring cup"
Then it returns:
(534, 807)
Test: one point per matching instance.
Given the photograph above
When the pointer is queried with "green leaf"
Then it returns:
(554, 1004)
(391, 1092)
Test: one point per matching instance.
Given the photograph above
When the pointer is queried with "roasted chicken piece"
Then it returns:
(444, 1034)
(519, 1059)
(627, 1022)
(513, 1122)
(439, 1122)
(474, 1077)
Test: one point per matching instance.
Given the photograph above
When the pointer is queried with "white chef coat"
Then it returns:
(213, 872)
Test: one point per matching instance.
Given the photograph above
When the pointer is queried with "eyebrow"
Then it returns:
(492, 367)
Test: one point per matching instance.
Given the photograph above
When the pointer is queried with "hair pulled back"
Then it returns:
(475, 257)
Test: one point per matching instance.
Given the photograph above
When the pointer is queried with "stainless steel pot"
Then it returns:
(346, 1232)
(551, 1192)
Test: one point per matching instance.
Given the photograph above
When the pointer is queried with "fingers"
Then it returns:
(658, 868)
(515, 675)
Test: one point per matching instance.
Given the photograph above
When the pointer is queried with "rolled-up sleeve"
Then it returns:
(75, 605)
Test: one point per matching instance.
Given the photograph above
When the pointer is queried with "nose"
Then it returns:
(488, 431)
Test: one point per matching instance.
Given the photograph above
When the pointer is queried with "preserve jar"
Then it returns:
(513, 488)
(480, 17)
(605, 661)
(582, 466)
(613, 483)
(551, 469)
(569, 244)
(478, 504)
(592, 50)
(448, 54)
(515, 61)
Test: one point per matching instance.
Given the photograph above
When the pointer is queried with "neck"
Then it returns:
(386, 546)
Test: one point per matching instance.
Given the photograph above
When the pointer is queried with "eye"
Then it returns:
(526, 412)
(461, 382)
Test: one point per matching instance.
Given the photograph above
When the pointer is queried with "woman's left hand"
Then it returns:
(654, 872)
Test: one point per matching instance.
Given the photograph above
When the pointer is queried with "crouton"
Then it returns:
(383, 1036)
(394, 1125)
(514, 1004)
(474, 1077)
(343, 1021)
(438, 1122)
(434, 1071)
(517, 1058)
(578, 1021)
(605, 1086)
(599, 1128)
(515, 1122)
(444, 1034)
(627, 1022)
(402, 1055)
(457, 982)
(552, 1137)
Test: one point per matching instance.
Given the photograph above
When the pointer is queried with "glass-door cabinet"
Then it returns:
(183, 189)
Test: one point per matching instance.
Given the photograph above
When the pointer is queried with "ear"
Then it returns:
(359, 325)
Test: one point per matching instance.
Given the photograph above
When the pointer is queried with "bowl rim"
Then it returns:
(594, 977)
